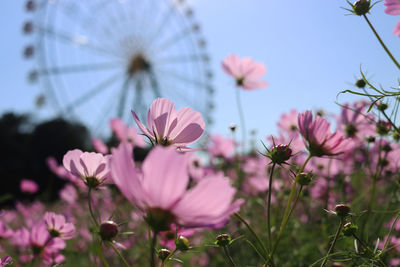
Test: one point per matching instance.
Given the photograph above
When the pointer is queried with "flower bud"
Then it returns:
(182, 243)
(386, 148)
(361, 7)
(280, 153)
(223, 240)
(382, 107)
(360, 83)
(305, 178)
(108, 230)
(396, 135)
(349, 229)
(342, 210)
(163, 254)
(232, 127)
(383, 127)
(370, 139)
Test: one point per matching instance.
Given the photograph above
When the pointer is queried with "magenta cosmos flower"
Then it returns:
(170, 127)
(58, 227)
(28, 186)
(91, 167)
(318, 137)
(246, 72)
(6, 260)
(126, 134)
(160, 190)
(392, 7)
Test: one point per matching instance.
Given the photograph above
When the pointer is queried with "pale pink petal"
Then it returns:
(254, 84)
(161, 117)
(166, 176)
(396, 30)
(205, 203)
(252, 70)
(125, 175)
(231, 65)
(72, 164)
(99, 145)
(93, 163)
(189, 128)
(392, 7)
(119, 128)
(142, 127)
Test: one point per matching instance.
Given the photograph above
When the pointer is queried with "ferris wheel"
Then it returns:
(98, 59)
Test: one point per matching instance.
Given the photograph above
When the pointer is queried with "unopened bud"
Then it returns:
(382, 107)
(280, 153)
(304, 178)
(223, 240)
(360, 83)
(182, 243)
(370, 139)
(163, 254)
(383, 127)
(361, 7)
(108, 230)
(349, 229)
(342, 210)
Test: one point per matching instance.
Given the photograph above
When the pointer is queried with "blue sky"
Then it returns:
(310, 48)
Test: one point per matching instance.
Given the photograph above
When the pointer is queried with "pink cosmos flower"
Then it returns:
(5, 232)
(126, 134)
(220, 146)
(58, 227)
(170, 127)
(246, 72)
(318, 138)
(91, 167)
(43, 245)
(28, 186)
(396, 30)
(5, 261)
(99, 145)
(160, 190)
(392, 7)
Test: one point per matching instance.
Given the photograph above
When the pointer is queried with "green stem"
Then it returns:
(90, 207)
(153, 241)
(101, 255)
(118, 253)
(242, 121)
(286, 215)
(381, 263)
(382, 43)
(269, 205)
(226, 251)
(167, 258)
(333, 243)
(295, 201)
(261, 244)
(390, 232)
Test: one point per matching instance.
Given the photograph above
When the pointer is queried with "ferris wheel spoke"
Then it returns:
(138, 98)
(161, 26)
(105, 110)
(122, 97)
(183, 78)
(81, 41)
(79, 68)
(76, 13)
(93, 92)
(184, 58)
(173, 39)
(154, 84)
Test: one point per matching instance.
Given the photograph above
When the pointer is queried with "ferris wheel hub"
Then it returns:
(137, 64)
